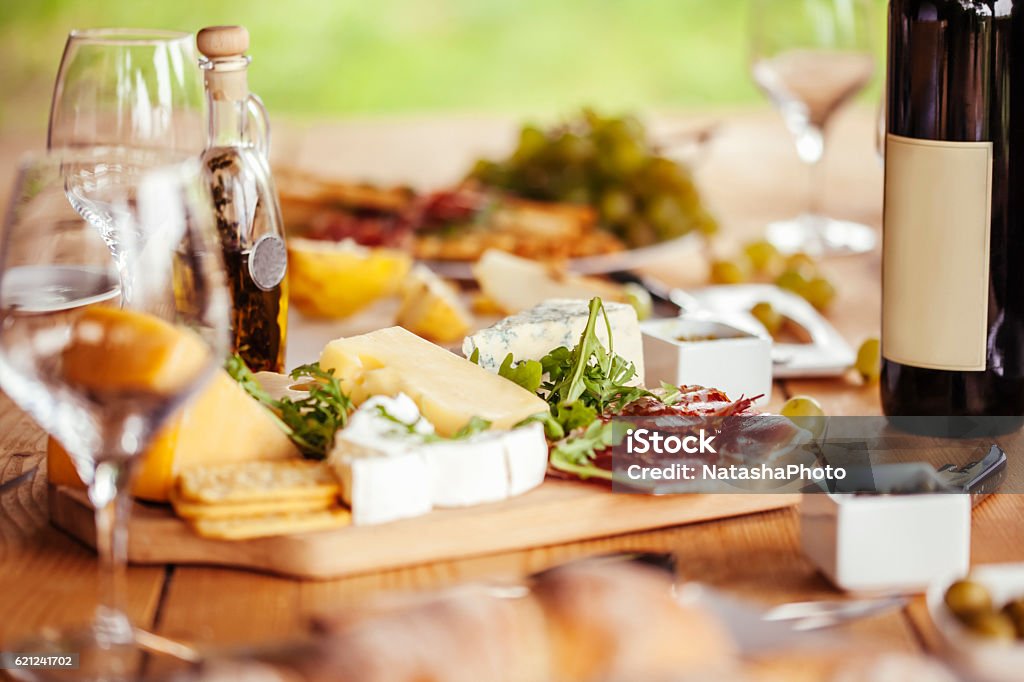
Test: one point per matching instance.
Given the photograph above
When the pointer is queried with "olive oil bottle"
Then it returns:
(245, 202)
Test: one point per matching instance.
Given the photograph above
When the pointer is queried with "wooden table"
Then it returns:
(751, 175)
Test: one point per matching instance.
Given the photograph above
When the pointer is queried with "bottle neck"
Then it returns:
(227, 122)
(227, 95)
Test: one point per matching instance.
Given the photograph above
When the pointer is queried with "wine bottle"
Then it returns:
(953, 243)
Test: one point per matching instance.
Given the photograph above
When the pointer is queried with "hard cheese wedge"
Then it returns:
(532, 334)
(448, 390)
(221, 424)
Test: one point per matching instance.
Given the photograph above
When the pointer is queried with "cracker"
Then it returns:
(201, 510)
(257, 482)
(247, 528)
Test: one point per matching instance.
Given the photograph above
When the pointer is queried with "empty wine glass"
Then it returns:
(102, 378)
(124, 88)
(810, 57)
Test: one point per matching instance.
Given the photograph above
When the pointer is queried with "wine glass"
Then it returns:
(810, 57)
(102, 378)
(124, 88)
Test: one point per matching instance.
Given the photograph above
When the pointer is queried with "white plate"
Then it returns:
(978, 658)
(590, 265)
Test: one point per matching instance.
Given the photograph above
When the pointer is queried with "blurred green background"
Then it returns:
(324, 58)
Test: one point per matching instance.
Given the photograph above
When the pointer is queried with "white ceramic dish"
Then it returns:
(886, 543)
(976, 657)
(734, 361)
(828, 353)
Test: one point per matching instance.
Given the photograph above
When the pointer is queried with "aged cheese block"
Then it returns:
(221, 424)
(448, 390)
(532, 334)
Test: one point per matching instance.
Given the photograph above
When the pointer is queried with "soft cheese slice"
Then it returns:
(448, 390)
(391, 466)
(532, 334)
(526, 456)
(383, 475)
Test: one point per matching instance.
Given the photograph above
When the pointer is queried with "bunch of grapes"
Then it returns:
(608, 163)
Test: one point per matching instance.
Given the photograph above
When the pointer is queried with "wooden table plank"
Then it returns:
(46, 578)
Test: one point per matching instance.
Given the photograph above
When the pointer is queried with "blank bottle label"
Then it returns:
(935, 269)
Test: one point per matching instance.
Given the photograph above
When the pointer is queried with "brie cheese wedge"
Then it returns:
(391, 465)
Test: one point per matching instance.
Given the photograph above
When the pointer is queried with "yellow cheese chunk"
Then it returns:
(220, 425)
(448, 389)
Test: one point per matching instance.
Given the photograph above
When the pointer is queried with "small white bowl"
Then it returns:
(977, 657)
(886, 543)
(734, 361)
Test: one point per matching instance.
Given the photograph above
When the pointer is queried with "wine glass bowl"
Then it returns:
(810, 57)
(128, 87)
(99, 377)
(123, 89)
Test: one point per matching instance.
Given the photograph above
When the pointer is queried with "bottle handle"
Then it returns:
(258, 129)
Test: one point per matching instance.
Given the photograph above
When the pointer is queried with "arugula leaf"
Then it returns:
(527, 374)
(474, 426)
(575, 455)
(311, 421)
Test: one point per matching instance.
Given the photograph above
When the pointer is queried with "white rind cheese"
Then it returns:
(532, 334)
(391, 465)
(378, 465)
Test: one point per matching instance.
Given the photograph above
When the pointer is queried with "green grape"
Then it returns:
(764, 256)
(819, 292)
(638, 297)
(531, 142)
(732, 271)
(767, 315)
(639, 232)
(869, 361)
(616, 206)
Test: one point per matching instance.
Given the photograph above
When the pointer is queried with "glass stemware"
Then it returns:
(103, 379)
(810, 57)
(124, 88)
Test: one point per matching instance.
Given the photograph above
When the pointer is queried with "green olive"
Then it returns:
(792, 280)
(967, 598)
(869, 361)
(638, 297)
(819, 292)
(732, 271)
(767, 315)
(764, 256)
(996, 626)
(1014, 610)
(806, 412)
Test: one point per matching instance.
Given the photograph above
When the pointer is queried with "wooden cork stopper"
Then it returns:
(218, 42)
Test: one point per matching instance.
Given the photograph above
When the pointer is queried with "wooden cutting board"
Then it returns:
(556, 512)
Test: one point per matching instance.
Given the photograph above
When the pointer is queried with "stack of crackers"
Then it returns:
(247, 500)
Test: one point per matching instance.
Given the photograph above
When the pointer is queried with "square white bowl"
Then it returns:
(733, 360)
(886, 543)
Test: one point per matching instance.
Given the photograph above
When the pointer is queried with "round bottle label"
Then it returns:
(268, 261)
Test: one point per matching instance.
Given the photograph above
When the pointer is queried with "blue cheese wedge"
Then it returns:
(532, 334)
(392, 465)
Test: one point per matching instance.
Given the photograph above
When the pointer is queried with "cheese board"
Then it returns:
(556, 512)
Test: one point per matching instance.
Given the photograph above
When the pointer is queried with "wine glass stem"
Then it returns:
(124, 275)
(815, 188)
(111, 496)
